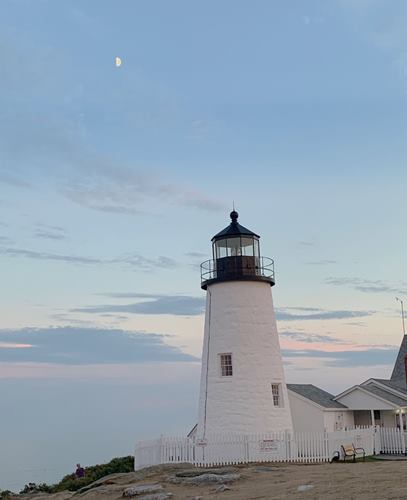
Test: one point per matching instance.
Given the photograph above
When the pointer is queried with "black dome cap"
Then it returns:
(234, 229)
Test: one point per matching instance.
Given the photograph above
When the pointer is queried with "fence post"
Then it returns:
(287, 439)
(374, 439)
(193, 450)
(246, 448)
(378, 440)
(161, 449)
(326, 446)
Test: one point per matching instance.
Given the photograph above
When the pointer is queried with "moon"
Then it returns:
(118, 62)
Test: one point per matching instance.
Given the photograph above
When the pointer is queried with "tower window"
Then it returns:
(226, 368)
(276, 393)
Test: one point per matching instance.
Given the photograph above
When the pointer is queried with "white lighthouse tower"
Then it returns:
(243, 387)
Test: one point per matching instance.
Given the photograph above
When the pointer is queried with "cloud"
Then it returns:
(308, 309)
(306, 243)
(13, 345)
(144, 263)
(201, 202)
(75, 345)
(115, 317)
(282, 314)
(322, 262)
(197, 255)
(32, 254)
(311, 337)
(67, 319)
(360, 324)
(138, 262)
(130, 295)
(382, 24)
(99, 194)
(344, 359)
(178, 305)
(57, 146)
(369, 286)
(185, 305)
(13, 180)
(124, 190)
(49, 232)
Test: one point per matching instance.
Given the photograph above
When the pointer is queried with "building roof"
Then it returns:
(391, 385)
(234, 229)
(398, 376)
(388, 396)
(315, 394)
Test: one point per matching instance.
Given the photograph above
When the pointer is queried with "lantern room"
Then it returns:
(236, 256)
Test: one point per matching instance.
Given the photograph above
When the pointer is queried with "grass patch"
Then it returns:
(369, 458)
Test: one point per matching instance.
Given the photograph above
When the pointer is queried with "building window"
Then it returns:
(276, 393)
(226, 368)
(376, 414)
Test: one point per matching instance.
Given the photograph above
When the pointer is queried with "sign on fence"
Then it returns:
(268, 445)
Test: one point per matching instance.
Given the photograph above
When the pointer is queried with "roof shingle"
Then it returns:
(315, 394)
(388, 396)
(398, 376)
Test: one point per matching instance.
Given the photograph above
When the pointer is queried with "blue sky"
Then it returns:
(114, 179)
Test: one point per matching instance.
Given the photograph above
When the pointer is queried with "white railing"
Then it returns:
(228, 449)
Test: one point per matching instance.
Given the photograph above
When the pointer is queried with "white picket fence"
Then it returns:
(228, 449)
(392, 440)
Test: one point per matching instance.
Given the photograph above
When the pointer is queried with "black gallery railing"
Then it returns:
(237, 267)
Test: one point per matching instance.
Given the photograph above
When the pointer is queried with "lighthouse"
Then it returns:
(243, 388)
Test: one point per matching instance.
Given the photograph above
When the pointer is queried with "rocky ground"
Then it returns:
(370, 480)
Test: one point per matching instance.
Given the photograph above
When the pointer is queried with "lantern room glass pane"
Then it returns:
(234, 247)
(247, 247)
(220, 249)
(256, 247)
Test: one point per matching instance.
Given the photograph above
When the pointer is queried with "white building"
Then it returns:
(243, 388)
(373, 402)
(314, 409)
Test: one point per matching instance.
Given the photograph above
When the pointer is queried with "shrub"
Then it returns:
(72, 483)
(5, 494)
(36, 488)
(93, 473)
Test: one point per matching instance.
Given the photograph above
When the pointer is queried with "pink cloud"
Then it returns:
(12, 345)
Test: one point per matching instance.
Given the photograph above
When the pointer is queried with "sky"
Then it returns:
(114, 179)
